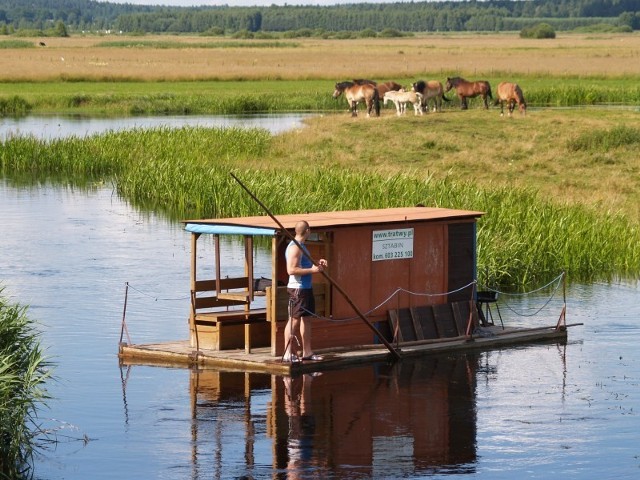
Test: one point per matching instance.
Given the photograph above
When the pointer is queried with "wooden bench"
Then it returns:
(222, 318)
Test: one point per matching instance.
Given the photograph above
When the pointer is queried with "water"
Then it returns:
(540, 411)
(59, 126)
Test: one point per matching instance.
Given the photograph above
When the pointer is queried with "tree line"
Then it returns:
(439, 16)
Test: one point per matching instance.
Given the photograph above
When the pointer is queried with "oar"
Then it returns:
(392, 350)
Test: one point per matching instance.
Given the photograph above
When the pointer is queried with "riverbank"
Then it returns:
(550, 206)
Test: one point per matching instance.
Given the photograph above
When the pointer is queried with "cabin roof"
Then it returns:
(265, 225)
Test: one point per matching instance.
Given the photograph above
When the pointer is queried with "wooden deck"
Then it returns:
(180, 354)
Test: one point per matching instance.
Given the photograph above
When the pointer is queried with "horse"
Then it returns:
(430, 89)
(382, 88)
(401, 98)
(388, 87)
(355, 93)
(512, 94)
(465, 89)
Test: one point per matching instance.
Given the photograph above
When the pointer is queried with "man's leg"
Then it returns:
(305, 333)
(291, 337)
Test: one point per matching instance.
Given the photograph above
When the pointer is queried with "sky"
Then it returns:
(246, 3)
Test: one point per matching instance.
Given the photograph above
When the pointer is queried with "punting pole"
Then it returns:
(392, 350)
(123, 327)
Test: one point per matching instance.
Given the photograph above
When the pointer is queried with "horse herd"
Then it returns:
(422, 94)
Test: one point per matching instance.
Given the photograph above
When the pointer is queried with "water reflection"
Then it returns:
(61, 126)
(401, 420)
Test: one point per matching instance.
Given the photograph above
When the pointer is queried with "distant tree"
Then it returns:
(541, 30)
(214, 32)
(60, 29)
(367, 33)
(630, 19)
(390, 32)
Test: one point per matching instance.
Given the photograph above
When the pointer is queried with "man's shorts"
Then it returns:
(301, 302)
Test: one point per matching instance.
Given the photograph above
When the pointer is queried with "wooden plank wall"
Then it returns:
(428, 322)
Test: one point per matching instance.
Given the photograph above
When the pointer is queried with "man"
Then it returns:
(300, 268)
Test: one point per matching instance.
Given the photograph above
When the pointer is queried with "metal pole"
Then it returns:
(123, 327)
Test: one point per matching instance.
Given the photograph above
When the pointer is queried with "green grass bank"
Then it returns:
(523, 238)
(244, 97)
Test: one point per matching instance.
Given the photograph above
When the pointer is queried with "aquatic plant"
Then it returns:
(23, 373)
(523, 237)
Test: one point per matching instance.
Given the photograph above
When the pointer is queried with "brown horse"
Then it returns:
(512, 94)
(382, 88)
(355, 93)
(431, 89)
(465, 89)
(388, 87)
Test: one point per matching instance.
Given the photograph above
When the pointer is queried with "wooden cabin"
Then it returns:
(411, 271)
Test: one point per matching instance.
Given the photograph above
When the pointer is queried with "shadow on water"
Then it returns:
(401, 420)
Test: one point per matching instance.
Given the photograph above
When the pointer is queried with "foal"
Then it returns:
(401, 98)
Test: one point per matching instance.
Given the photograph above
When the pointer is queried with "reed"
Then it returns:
(171, 103)
(185, 173)
(14, 106)
(23, 373)
(605, 140)
(226, 98)
(13, 43)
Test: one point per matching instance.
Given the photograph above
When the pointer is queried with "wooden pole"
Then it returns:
(392, 350)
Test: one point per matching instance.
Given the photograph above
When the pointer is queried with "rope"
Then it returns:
(186, 297)
(536, 312)
(397, 291)
(557, 279)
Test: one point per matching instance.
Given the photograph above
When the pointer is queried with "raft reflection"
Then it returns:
(382, 421)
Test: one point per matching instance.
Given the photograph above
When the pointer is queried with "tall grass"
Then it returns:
(231, 98)
(185, 173)
(23, 373)
(12, 43)
(581, 95)
(605, 140)
(173, 103)
(14, 106)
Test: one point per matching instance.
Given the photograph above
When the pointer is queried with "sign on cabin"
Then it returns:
(392, 244)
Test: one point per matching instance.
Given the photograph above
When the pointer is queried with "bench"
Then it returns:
(430, 322)
(218, 323)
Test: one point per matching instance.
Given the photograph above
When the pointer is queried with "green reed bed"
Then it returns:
(172, 103)
(605, 140)
(186, 173)
(231, 98)
(581, 95)
(23, 373)
(14, 106)
(13, 43)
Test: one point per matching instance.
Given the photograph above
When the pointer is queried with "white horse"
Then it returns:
(401, 97)
(431, 89)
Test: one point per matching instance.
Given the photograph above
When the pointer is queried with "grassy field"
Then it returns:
(202, 58)
(561, 184)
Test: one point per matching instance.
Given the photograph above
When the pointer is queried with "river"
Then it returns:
(538, 411)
